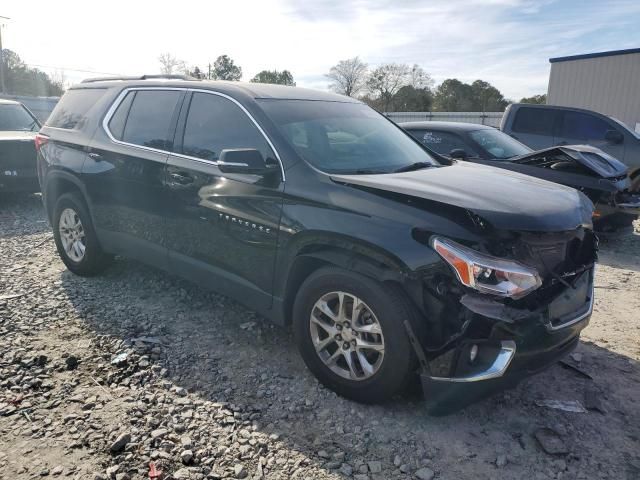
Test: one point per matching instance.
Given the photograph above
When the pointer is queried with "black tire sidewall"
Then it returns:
(93, 260)
(390, 309)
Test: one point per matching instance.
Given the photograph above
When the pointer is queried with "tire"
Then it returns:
(90, 261)
(383, 304)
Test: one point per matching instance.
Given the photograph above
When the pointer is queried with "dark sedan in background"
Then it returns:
(18, 128)
(604, 179)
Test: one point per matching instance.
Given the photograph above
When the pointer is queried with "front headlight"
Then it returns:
(487, 274)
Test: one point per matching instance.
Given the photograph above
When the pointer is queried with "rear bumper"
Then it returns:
(513, 351)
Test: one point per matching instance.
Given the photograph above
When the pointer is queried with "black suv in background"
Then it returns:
(318, 212)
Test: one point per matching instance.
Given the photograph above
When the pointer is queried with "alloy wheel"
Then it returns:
(72, 235)
(347, 336)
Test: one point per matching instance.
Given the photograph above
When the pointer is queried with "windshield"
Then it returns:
(16, 118)
(626, 127)
(497, 144)
(349, 138)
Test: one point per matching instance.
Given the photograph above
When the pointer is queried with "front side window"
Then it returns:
(348, 138)
(581, 126)
(16, 118)
(215, 123)
(498, 145)
(442, 142)
(538, 121)
(150, 118)
(71, 111)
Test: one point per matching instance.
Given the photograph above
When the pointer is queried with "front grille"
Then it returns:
(559, 257)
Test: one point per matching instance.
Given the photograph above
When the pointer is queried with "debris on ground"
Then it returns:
(550, 441)
(573, 406)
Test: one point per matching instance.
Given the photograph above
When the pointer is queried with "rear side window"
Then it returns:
(119, 118)
(215, 123)
(539, 121)
(581, 126)
(71, 111)
(149, 118)
(441, 142)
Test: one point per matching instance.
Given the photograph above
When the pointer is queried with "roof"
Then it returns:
(451, 126)
(4, 101)
(255, 90)
(584, 56)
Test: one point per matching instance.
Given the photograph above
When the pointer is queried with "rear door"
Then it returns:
(535, 126)
(124, 173)
(580, 128)
(222, 228)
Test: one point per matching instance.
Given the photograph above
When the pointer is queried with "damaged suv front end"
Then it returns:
(508, 293)
(510, 315)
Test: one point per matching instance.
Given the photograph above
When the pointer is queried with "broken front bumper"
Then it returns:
(518, 346)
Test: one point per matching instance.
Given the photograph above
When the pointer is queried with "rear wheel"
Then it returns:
(350, 332)
(75, 237)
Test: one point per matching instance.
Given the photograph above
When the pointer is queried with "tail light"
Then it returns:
(40, 141)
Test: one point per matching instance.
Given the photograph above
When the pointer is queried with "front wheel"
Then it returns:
(350, 332)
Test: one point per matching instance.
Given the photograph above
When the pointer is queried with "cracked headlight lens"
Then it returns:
(485, 273)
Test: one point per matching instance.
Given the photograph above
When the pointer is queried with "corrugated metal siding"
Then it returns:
(485, 118)
(609, 85)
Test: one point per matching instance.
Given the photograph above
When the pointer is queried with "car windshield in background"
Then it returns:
(348, 138)
(497, 144)
(16, 119)
(625, 127)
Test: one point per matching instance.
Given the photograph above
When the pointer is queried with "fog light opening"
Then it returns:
(473, 353)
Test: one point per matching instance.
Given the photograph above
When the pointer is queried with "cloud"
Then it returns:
(505, 42)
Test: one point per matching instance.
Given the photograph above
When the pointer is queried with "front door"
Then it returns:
(221, 228)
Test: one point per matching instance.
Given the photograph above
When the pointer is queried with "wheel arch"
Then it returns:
(59, 183)
(367, 261)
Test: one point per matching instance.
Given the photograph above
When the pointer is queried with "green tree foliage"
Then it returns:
(412, 99)
(536, 99)
(225, 69)
(20, 79)
(452, 95)
(274, 76)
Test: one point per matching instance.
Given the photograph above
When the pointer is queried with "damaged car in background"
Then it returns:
(319, 213)
(601, 177)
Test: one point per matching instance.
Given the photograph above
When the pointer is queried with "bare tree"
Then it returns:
(170, 64)
(349, 76)
(386, 80)
(420, 78)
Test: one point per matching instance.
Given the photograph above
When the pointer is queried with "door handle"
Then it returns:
(181, 178)
(95, 156)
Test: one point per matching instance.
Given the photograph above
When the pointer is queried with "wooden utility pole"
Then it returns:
(2, 88)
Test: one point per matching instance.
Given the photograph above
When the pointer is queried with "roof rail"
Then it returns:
(140, 77)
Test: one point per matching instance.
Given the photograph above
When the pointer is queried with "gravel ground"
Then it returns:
(136, 370)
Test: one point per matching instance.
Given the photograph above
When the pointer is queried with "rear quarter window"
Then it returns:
(538, 121)
(71, 112)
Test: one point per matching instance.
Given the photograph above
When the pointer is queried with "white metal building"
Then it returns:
(607, 82)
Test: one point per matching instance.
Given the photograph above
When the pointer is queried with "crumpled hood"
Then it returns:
(507, 200)
(593, 158)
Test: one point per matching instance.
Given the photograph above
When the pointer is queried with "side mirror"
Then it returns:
(458, 154)
(613, 136)
(243, 160)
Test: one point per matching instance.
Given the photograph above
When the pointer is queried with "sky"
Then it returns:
(505, 42)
